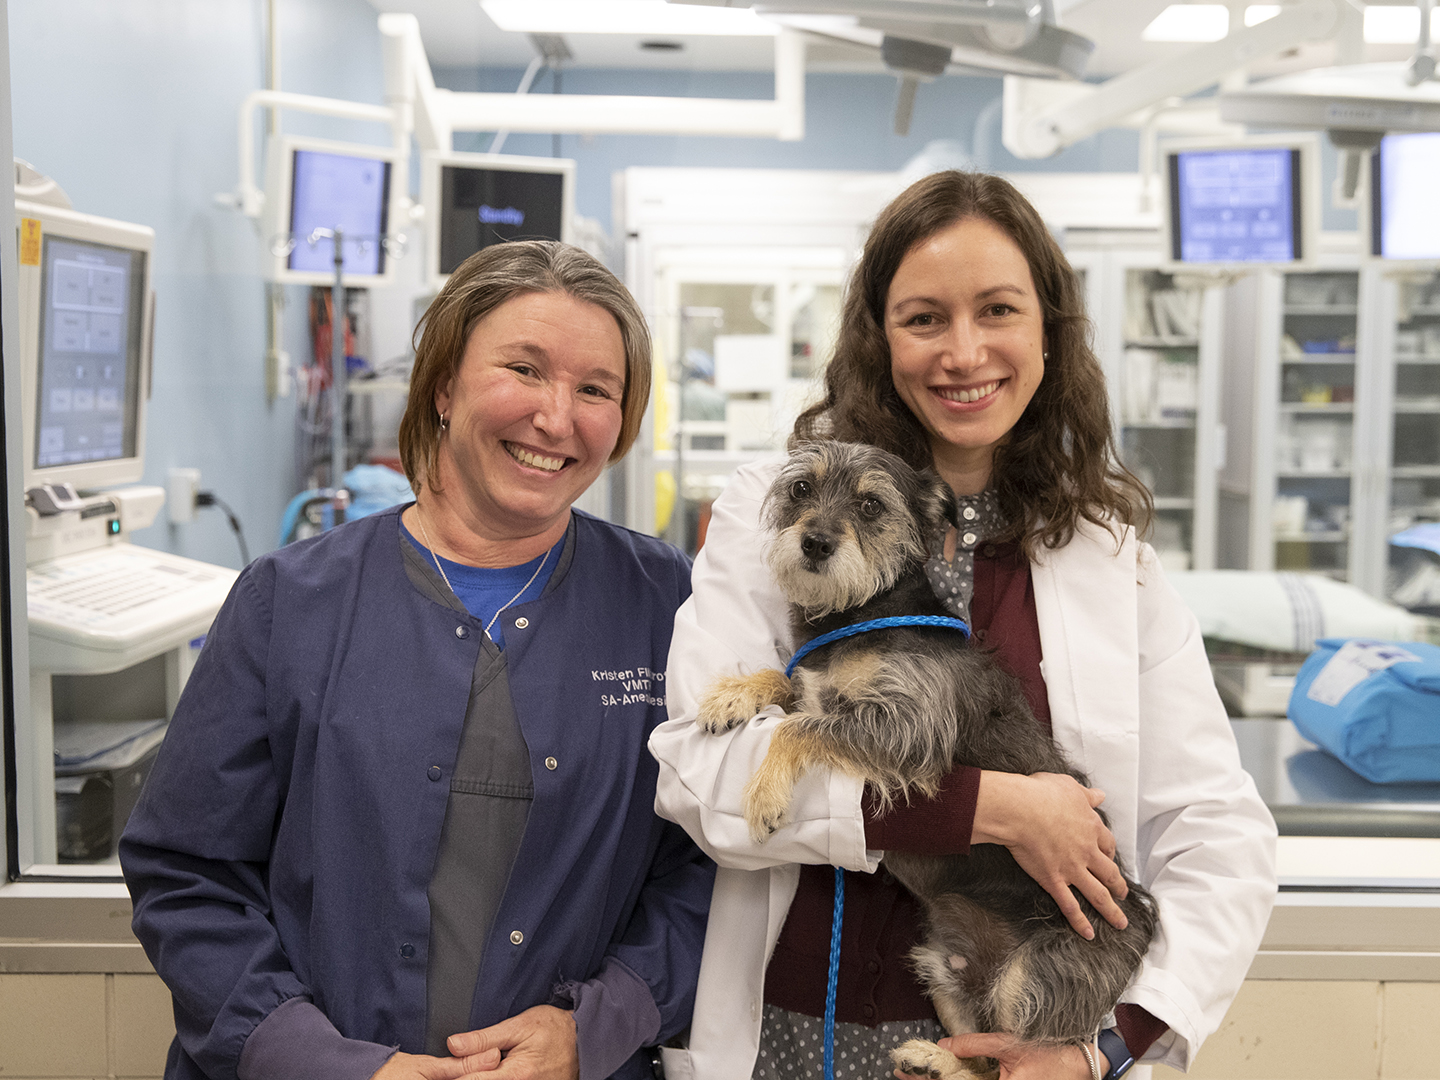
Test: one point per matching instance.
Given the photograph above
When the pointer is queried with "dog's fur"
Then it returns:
(899, 707)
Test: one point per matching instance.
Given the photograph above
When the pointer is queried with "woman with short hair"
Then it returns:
(963, 347)
(402, 824)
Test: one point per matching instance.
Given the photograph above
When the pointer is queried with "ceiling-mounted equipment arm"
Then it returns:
(439, 113)
(1042, 118)
(247, 197)
(1422, 67)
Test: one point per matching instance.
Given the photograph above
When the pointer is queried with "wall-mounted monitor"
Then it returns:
(475, 200)
(316, 184)
(1241, 204)
(84, 289)
(1404, 204)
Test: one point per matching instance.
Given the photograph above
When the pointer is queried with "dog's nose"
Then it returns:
(817, 546)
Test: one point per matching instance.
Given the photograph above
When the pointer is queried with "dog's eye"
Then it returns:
(801, 489)
(872, 507)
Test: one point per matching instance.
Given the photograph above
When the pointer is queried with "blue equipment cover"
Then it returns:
(1375, 705)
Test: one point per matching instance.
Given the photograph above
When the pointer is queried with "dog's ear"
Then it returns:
(935, 501)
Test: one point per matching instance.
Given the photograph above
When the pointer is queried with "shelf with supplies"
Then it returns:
(1407, 436)
(1163, 424)
(1162, 343)
(1158, 340)
(1306, 397)
(1322, 309)
(1324, 408)
(1336, 537)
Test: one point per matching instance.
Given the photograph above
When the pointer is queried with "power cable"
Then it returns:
(209, 498)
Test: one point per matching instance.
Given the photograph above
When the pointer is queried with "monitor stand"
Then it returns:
(114, 632)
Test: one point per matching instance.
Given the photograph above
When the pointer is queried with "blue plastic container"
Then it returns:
(1375, 705)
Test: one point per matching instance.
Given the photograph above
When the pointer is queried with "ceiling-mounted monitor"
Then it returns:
(83, 284)
(475, 200)
(1404, 205)
(315, 184)
(1241, 204)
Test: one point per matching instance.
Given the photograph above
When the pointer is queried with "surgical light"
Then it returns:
(1385, 25)
(1258, 13)
(648, 17)
(1189, 22)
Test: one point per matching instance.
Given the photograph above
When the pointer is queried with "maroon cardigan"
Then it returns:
(882, 919)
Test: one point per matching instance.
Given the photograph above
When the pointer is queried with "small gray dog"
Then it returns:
(899, 707)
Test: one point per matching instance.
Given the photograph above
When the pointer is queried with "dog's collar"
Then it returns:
(943, 621)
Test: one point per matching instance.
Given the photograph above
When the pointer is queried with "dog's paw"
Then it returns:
(733, 699)
(765, 806)
(924, 1059)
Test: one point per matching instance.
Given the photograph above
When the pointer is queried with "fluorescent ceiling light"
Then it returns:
(1189, 22)
(624, 17)
(1386, 25)
(1258, 13)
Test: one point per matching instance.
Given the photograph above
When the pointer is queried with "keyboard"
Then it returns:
(94, 606)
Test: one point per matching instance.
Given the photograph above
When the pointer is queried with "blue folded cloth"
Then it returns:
(1375, 705)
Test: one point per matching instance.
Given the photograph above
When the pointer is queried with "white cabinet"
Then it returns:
(740, 348)
(1308, 392)
(1405, 442)
(1158, 338)
(740, 274)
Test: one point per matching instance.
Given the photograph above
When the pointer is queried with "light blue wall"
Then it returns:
(131, 106)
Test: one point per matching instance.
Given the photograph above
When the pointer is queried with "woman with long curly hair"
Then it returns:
(964, 348)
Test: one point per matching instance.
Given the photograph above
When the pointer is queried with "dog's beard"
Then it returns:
(843, 581)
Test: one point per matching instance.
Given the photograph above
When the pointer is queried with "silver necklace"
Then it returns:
(429, 544)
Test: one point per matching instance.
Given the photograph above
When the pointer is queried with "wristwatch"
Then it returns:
(1116, 1052)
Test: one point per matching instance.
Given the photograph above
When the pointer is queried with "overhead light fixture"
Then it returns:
(1258, 13)
(652, 18)
(1385, 25)
(1189, 22)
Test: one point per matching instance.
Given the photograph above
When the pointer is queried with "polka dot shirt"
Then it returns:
(954, 581)
(792, 1046)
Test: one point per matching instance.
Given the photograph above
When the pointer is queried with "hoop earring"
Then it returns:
(444, 423)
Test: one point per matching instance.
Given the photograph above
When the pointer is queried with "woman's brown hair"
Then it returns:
(484, 282)
(1059, 463)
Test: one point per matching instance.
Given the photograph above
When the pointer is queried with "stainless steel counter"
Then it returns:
(1312, 793)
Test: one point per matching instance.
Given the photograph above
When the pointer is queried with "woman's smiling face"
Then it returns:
(533, 413)
(967, 342)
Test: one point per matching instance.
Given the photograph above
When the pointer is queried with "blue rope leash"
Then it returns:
(833, 982)
(874, 624)
(837, 920)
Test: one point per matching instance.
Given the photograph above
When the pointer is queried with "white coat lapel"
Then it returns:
(1085, 604)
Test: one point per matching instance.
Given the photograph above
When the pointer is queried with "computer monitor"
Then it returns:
(317, 184)
(475, 200)
(1241, 204)
(85, 331)
(1404, 213)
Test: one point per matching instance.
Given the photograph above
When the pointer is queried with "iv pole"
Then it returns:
(339, 376)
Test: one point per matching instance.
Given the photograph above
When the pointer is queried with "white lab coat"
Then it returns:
(1131, 702)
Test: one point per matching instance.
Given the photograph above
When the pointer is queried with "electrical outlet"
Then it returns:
(182, 488)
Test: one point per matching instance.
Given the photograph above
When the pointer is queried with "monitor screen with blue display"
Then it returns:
(480, 206)
(1240, 205)
(1405, 197)
(330, 191)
